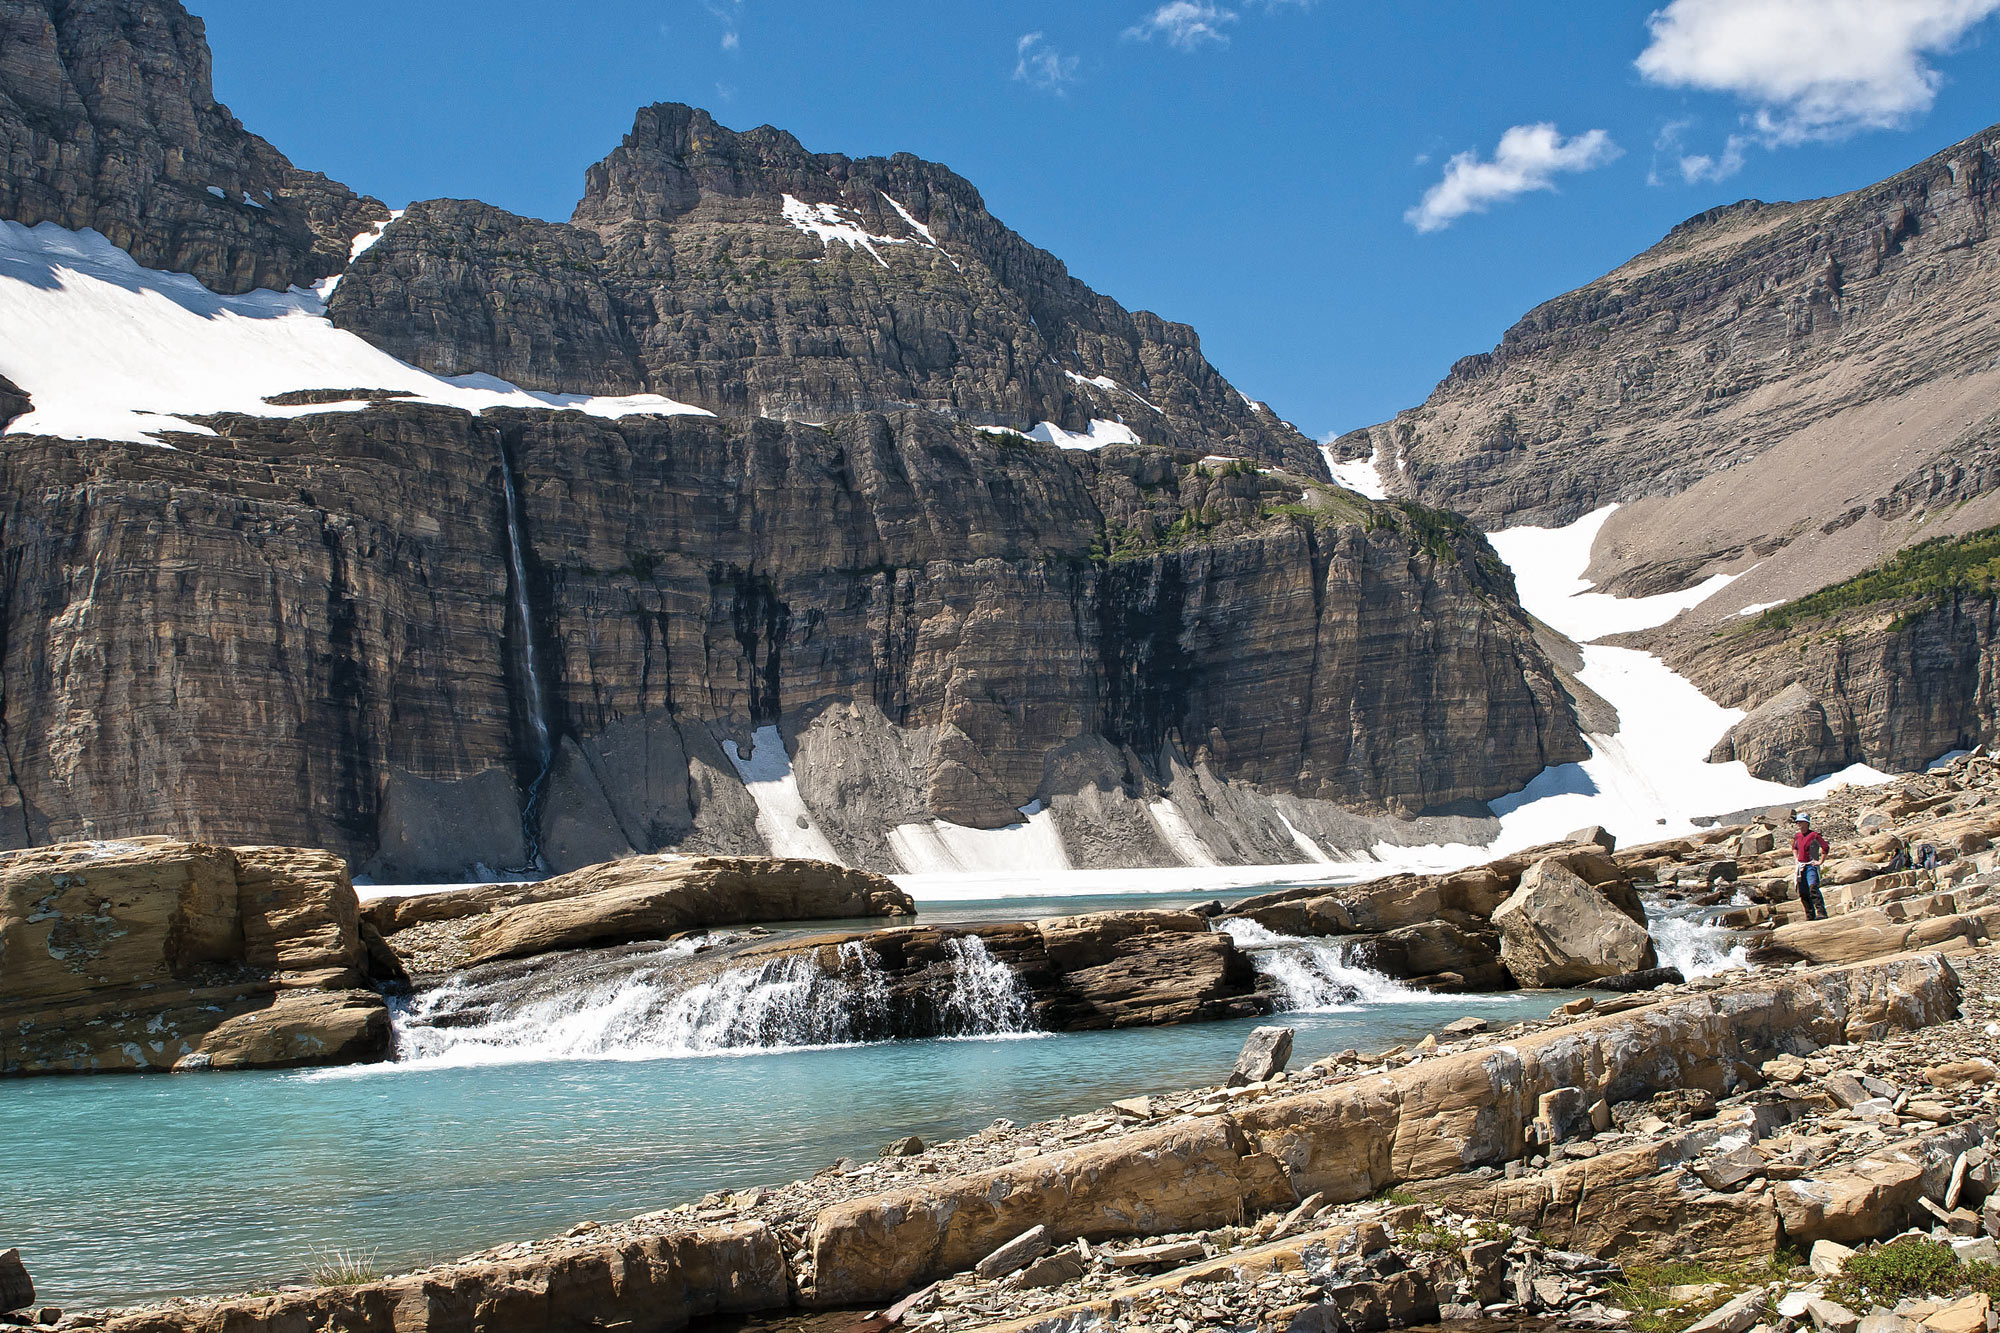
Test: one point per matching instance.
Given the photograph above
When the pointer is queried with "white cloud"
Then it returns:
(1529, 158)
(1694, 168)
(1185, 23)
(1041, 65)
(1811, 69)
(730, 41)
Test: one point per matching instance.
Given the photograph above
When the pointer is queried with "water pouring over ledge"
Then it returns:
(664, 1001)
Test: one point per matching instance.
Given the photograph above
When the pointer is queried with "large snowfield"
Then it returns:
(109, 350)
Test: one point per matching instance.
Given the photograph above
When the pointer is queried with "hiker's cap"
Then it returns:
(1802, 819)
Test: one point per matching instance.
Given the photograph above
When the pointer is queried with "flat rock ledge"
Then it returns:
(1269, 1194)
(637, 898)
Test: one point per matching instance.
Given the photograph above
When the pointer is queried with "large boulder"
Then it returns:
(652, 897)
(1556, 930)
(154, 953)
(1784, 739)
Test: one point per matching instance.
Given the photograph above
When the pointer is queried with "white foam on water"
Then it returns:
(986, 998)
(1313, 976)
(782, 818)
(1697, 948)
(108, 350)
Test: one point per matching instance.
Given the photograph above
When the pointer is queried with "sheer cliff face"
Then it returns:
(108, 121)
(1746, 326)
(1891, 687)
(303, 630)
(741, 273)
(435, 641)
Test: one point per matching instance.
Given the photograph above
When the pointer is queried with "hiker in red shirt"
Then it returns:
(1808, 850)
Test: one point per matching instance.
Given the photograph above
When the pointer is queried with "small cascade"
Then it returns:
(986, 999)
(1690, 942)
(1314, 976)
(528, 656)
(651, 1001)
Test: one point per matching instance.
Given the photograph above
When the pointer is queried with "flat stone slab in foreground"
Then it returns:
(1436, 1118)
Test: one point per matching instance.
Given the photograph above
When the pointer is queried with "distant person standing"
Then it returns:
(1809, 850)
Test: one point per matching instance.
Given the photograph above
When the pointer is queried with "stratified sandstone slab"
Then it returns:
(1437, 1118)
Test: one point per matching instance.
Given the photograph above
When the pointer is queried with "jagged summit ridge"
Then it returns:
(738, 271)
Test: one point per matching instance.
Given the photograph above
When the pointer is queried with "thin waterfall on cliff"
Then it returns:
(986, 998)
(1314, 976)
(528, 656)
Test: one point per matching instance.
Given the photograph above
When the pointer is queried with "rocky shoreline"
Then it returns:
(1840, 1093)
(1535, 1170)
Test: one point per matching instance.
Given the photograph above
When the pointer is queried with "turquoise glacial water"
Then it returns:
(120, 1189)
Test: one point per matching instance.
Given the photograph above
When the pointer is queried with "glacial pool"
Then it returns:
(121, 1189)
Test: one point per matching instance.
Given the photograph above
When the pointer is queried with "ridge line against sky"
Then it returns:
(1341, 202)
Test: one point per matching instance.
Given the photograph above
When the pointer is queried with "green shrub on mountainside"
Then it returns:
(1935, 571)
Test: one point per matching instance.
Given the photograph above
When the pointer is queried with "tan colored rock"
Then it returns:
(1174, 1178)
(1960, 1074)
(1636, 1205)
(1872, 934)
(650, 897)
(154, 954)
(1852, 1204)
(1090, 940)
(1441, 1117)
(654, 1282)
(296, 1027)
(1556, 930)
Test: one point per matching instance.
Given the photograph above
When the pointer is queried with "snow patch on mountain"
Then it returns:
(1362, 476)
(108, 350)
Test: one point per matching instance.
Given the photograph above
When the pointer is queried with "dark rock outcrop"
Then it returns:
(1893, 687)
(108, 120)
(302, 631)
(741, 273)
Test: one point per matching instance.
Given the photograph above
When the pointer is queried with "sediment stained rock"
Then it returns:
(737, 271)
(109, 121)
(335, 589)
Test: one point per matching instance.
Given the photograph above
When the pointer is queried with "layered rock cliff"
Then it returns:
(739, 272)
(1745, 326)
(1893, 687)
(108, 120)
(1787, 393)
(308, 630)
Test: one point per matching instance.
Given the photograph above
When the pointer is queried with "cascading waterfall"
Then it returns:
(1689, 941)
(641, 1005)
(986, 998)
(528, 655)
(1314, 976)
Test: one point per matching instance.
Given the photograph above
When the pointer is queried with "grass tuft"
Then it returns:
(340, 1267)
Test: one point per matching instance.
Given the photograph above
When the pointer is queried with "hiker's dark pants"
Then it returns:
(1809, 894)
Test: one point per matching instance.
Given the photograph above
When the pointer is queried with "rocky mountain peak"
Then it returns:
(108, 120)
(737, 271)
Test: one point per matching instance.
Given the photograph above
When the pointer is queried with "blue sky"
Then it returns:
(1256, 168)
